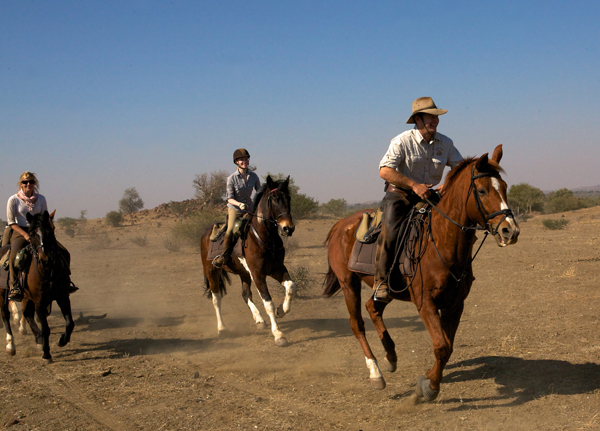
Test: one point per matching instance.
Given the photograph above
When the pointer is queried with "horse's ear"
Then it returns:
(284, 187)
(52, 215)
(46, 215)
(497, 156)
(270, 182)
(482, 163)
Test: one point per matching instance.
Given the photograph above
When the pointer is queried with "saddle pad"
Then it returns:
(362, 258)
(215, 248)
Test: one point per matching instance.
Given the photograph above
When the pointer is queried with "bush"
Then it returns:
(190, 231)
(142, 241)
(335, 207)
(302, 206)
(553, 224)
(99, 241)
(211, 188)
(68, 224)
(171, 244)
(563, 200)
(114, 218)
(301, 276)
(131, 201)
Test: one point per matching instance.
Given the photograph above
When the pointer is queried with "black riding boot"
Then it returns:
(16, 293)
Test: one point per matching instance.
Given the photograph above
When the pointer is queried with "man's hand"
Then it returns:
(242, 207)
(422, 190)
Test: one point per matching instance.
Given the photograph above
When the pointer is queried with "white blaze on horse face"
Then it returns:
(374, 371)
(503, 205)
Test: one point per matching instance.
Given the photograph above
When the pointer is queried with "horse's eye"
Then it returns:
(481, 191)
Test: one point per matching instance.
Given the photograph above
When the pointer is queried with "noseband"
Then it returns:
(271, 218)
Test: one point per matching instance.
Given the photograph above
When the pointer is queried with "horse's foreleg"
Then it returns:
(18, 317)
(216, 300)
(28, 315)
(353, 303)
(41, 312)
(375, 310)
(261, 286)
(283, 277)
(65, 307)
(10, 342)
(429, 385)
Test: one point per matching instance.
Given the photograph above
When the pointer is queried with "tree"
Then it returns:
(336, 207)
(114, 218)
(525, 198)
(563, 200)
(68, 224)
(303, 206)
(211, 188)
(131, 201)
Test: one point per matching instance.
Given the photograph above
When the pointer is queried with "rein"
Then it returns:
(272, 219)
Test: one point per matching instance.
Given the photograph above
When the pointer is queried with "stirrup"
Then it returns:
(218, 265)
(72, 287)
(15, 294)
(385, 300)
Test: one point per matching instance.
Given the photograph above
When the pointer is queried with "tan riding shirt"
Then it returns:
(419, 160)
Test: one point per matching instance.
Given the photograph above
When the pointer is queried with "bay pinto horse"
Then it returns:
(263, 255)
(47, 280)
(474, 194)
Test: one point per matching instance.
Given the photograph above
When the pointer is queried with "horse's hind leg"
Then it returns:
(246, 278)
(375, 310)
(42, 314)
(65, 307)
(10, 344)
(283, 277)
(351, 288)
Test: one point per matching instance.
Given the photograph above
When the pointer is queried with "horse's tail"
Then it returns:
(331, 283)
(223, 281)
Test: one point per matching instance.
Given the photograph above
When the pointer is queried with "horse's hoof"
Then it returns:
(424, 390)
(11, 352)
(62, 342)
(261, 325)
(48, 361)
(377, 383)
(280, 312)
(281, 342)
(223, 333)
(391, 366)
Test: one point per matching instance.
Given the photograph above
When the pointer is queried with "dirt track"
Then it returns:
(527, 354)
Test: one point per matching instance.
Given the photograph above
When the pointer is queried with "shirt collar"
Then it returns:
(421, 139)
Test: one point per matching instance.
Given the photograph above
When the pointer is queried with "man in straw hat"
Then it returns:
(413, 163)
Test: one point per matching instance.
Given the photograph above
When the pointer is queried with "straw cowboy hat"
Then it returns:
(424, 105)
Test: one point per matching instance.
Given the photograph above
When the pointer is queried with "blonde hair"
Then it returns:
(29, 176)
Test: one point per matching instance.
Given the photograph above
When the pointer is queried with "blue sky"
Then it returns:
(100, 96)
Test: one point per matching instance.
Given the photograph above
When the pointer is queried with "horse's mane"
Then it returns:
(261, 191)
(454, 172)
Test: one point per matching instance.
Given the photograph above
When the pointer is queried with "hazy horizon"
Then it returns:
(98, 97)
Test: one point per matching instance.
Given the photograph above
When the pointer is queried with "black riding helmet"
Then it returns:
(239, 153)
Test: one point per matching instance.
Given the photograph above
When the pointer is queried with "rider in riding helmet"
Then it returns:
(413, 163)
(240, 187)
(26, 200)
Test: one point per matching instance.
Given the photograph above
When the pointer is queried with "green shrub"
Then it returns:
(171, 244)
(114, 218)
(555, 224)
(563, 200)
(301, 276)
(335, 207)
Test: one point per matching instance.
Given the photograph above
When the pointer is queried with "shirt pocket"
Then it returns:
(439, 163)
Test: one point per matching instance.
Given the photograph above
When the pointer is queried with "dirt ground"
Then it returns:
(527, 354)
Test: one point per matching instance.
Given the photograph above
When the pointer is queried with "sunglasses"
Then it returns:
(28, 182)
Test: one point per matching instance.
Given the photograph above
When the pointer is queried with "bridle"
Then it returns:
(38, 262)
(486, 218)
(270, 219)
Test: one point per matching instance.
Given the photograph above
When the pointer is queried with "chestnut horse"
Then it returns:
(474, 198)
(46, 280)
(263, 255)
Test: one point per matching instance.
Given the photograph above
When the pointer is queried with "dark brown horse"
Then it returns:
(474, 194)
(263, 255)
(46, 280)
